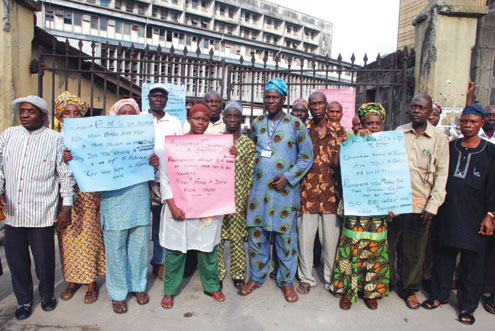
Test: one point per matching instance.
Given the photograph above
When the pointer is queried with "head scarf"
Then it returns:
(474, 110)
(199, 108)
(278, 85)
(301, 102)
(35, 101)
(232, 105)
(121, 103)
(372, 109)
(66, 99)
(436, 105)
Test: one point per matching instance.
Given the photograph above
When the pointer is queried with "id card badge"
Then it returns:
(266, 153)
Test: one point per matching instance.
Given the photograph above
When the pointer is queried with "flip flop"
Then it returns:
(430, 304)
(119, 307)
(248, 288)
(90, 297)
(142, 298)
(289, 293)
(412, 302)
(466, 318)
(167, 301)
(69, 292)
(303, 288)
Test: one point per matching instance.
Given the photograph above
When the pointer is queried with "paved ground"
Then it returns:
(264, 309)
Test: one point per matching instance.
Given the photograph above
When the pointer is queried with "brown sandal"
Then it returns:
(248, 288)
(90, 297)
(412, 302)
(142, 298)
(69, 291)
(289, 293)
(119, 307)
(303, 288)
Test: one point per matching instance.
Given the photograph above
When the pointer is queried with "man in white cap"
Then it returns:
(32, 174)
(165, 125)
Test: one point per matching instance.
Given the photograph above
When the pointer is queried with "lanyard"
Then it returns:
(270, 137)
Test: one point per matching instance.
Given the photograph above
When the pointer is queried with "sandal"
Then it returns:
(490, 304)
(345, 303)
(289, 293)
(432, 304)
(303, 288)
(90, 297)
(466, 318)
(218, 295)
(412, 302)
(69, 291)
(167, 301)
(142, 298)
(238, 283)
(119, 307)
(248, 288)
(371, 303)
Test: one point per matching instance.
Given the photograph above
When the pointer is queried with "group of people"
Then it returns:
(287, 192)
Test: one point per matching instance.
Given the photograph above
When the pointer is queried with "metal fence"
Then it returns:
(104, 73)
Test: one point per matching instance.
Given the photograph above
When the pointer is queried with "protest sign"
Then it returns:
(345, 97)
(201, 174)
(110, 152)
(176, 104)
(375, 175)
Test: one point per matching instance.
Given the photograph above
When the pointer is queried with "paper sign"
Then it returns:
(201, 174)
(375, 175)
(345, 97)
(176, 104)
(110, 152)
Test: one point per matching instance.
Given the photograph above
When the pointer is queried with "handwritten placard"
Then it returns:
(375, 175)
(201, 174)
(176, 104)
(345, 97)
(110, 152)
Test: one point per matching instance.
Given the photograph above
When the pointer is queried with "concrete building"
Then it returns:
(231, 28)
(408, 11)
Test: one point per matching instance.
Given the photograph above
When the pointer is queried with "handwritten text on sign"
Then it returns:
(375, 175)
(110, 152)
(201, 174)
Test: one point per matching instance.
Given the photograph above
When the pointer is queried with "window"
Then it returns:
(127, 28)
(118, 27)
(222, 10)
(205, 43)
(154, 11)
(255, 18)
(140, 31)
(231, 12)
(141, 9)
(77, 19)
(129, 6)
(105, 2)
(163, 14)
(289, 28)
(188, 40)
(174, 1)
(247, 17)
(118, 4)
(67, 17)
(94, 22)
(49, 15)
(221, 28)
(269, 21)
(149, 32)
(204, 3)
(204, 24)
(103, 24)
(169, 36)
(229, 29)
(174, 16)
(195, 4)
(246, 33)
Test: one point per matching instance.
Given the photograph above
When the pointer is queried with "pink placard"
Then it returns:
(201, 173)
(345, 97)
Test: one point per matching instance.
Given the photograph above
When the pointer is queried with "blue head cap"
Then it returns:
(278, 85)
(474, 110)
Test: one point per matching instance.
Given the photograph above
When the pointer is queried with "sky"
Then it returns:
(359, 26)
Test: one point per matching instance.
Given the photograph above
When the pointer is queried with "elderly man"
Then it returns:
(213, 101)
(487, 132)
(319, 194)
(32, 174)
(356, 125)
(284, 154)
(335, 111)
(165, 125)
(465, 220)
(428, 158)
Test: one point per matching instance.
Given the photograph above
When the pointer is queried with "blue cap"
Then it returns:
(474, 110)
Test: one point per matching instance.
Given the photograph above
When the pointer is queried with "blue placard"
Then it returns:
(110, 152)
(375, 175)
(176, 104)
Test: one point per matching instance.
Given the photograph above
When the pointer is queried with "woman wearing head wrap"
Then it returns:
(84, 235)
(300, 109)
(178, 235)
(234, 225)
(361, 263)
(435, 114)
(125, 221)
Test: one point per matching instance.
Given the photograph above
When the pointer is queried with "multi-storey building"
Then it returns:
(231, 28)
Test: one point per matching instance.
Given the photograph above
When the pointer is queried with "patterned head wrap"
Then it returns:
(278, 85)
(199, 108)
(301, 102)
(233, 105)
(474, 110)
(372, 109)
(66, 99)
(121, 103)
(436, 105)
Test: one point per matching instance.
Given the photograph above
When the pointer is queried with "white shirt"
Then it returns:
(32, 168)
(213, 128)
(483, 135)
(189, 234)
(168, 125)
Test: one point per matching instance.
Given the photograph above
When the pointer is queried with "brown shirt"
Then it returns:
(319, 189)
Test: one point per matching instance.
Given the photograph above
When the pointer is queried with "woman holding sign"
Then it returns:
(178, 234)
(82, 252)
(361, 262)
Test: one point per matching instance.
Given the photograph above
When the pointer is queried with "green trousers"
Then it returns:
(175, 262)
(410, 233)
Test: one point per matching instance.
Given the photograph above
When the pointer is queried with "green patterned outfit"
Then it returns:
(234, 225)
(361, 262)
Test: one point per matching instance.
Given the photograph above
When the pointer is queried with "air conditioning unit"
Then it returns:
(135, 27)
(156, 30)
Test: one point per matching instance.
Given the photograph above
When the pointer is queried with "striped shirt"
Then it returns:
(31, 169)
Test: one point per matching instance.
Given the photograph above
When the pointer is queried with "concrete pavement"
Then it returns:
(264, 309)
